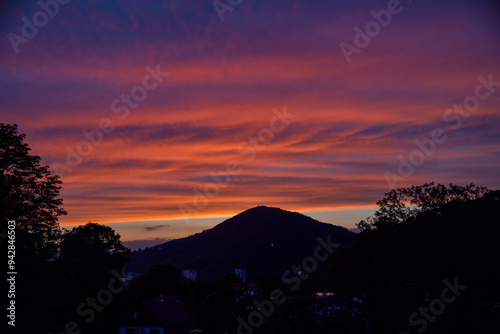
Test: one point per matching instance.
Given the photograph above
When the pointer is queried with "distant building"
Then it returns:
(241, 274)
(190, 274)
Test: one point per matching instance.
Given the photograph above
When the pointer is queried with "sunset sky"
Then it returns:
(222, 109)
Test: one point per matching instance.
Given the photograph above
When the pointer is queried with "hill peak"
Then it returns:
(265, 216)
(263, 210)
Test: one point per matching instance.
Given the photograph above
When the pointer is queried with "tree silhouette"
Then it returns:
(88, 253)
(399, 268)
(29, 196)
(56, 271)
(403, 204)
(94, 244)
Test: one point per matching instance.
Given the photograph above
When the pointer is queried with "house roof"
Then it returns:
(172, 314)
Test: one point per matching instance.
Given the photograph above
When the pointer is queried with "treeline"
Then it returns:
(426, 262)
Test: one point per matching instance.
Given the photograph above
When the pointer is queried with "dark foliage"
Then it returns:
(29, 196)
(400, 268)
(404, 204)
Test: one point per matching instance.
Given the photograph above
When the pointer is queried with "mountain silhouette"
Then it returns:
(259, 240)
